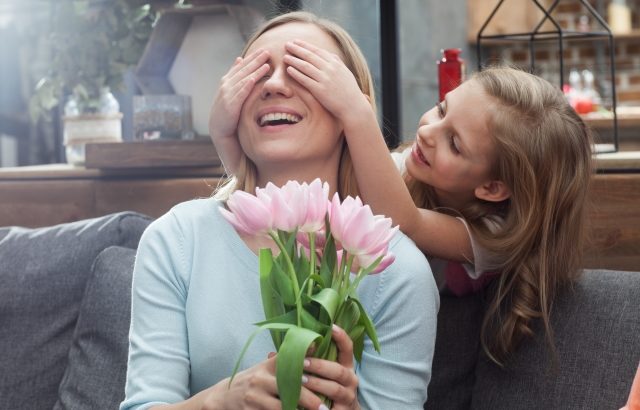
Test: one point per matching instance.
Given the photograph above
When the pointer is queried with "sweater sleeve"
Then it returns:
(403, 303)
(158, 364)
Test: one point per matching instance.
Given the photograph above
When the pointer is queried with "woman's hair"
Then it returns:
(544, 155)
(245, 179)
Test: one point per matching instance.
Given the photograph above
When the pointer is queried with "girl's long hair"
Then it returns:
(245, 179)
(544, 155)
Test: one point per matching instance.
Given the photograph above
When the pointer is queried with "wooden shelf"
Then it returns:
(146, 154)
(599, 121)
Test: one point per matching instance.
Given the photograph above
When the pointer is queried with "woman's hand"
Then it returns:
(335, 380)
(253, 388)
(234, 89)
(326, 76)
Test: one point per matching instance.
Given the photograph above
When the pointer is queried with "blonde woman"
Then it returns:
(196, 284)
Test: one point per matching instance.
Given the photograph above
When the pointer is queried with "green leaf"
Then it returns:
(271, 301)
(269, 326)
(349, 316)
(311, 323)
(329, 299)
(323, 347)
(289, 364)
(368, 325)
(329, 259)
(357, 337)
(282, 284)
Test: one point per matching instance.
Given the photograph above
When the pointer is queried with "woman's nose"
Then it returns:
(277, 84)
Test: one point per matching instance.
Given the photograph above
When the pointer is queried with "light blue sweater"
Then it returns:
(196, 294)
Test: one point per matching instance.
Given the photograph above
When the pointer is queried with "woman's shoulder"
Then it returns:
(410, 263)
(188, 216)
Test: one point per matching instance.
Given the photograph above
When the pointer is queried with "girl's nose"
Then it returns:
(425, 134)
(277, 84)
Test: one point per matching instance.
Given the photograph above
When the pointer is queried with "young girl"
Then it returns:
(497, 178)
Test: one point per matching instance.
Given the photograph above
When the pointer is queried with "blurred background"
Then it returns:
(150, 68)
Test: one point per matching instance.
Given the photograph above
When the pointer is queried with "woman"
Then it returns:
(196, 287)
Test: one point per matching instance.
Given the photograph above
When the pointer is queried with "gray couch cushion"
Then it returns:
(97, 366)
(43, 273)
(456, 352)
(597, 329)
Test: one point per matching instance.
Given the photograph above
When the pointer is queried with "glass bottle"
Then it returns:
(450, 71)
(108, 103)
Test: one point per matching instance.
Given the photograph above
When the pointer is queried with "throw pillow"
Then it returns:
(43, 274)
(97, 365)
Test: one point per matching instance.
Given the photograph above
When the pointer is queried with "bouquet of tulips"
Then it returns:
(326, 249)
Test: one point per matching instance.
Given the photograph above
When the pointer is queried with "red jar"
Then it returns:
(450, 71)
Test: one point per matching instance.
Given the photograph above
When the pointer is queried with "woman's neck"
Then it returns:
(279, 177)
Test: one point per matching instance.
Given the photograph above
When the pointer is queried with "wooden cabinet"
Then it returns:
(52, 194)
(48, 195)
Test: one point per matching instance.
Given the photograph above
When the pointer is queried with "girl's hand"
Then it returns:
(335, 380)
(234, 89)
(326, 76)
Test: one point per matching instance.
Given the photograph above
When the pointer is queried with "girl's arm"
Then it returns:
(330, 81)
(234, 89)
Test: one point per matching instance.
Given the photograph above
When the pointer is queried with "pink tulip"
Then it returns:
(361, 233)
(248, 214)
(317, 202)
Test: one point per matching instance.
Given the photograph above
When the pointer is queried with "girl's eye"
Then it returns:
(452, 144)
(440, 109)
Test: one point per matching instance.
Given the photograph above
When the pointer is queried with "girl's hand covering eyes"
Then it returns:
(326, 76)
(235, 87)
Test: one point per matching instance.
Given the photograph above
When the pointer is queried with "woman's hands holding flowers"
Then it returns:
(310, 286)
(335, 380)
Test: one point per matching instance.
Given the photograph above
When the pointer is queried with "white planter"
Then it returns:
(89, 128)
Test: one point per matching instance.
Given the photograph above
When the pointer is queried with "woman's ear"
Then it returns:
(493, 191)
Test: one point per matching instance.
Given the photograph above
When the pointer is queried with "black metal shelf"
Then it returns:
(560, 35)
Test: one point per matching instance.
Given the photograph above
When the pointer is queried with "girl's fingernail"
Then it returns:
(323, 407)
(305, 379)
(335, 328)
(307, 363)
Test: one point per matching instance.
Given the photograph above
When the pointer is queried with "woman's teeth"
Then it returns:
(280, 117)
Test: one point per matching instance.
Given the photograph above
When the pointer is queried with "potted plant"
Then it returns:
(93, 43)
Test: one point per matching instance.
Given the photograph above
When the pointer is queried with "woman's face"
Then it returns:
(281, 123)
(454, 151)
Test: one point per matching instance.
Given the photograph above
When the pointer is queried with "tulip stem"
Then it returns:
(312, 261)
(292, 274)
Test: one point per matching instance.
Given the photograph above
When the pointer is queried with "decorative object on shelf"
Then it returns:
(104, 125)
(162, 117)
(450, 71)
(92, 44)
(548, 29)
(191, 48)
(619, 16)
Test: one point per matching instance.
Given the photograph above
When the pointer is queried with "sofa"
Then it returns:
(64, 315)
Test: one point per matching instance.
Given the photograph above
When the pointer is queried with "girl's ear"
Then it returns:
(493, 191)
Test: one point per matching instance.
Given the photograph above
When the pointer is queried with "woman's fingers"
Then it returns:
(344, 345)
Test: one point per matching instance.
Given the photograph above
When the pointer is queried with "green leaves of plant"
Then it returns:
(289, 364)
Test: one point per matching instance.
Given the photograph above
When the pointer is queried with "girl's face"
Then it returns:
(454, 151)
(281, 123)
